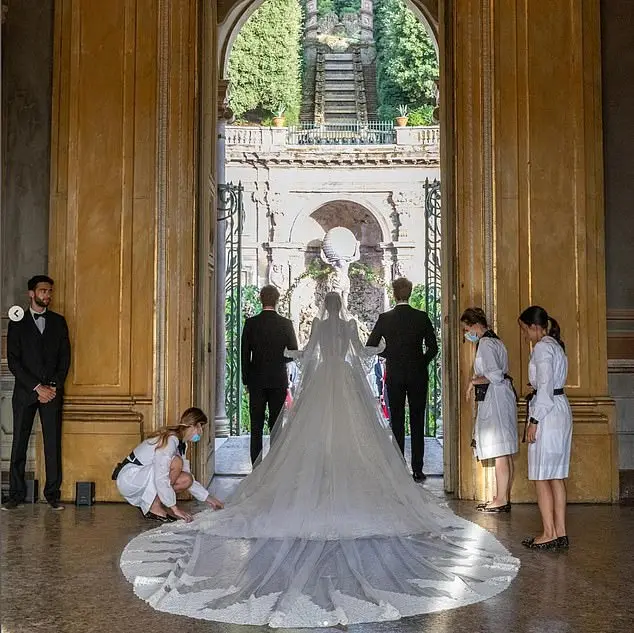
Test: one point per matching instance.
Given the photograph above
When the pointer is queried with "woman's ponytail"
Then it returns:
(555, 331)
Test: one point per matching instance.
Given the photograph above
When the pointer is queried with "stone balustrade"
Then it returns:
(271, 138)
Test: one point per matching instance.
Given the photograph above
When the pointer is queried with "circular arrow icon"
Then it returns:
(16, 313)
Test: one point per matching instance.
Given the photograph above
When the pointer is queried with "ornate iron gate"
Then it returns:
(231, 211)
(433, 424)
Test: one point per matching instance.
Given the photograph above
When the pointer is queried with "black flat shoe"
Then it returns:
(171, 518)
(156, 517)
(482, 505)
(544, 547)
(496, 509)
(527, 542)
(418, 477)
(563, 542)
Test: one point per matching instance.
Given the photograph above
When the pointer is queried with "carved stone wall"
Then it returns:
(290, 206)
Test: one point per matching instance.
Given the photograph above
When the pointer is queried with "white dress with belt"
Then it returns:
(140, 484)
(549, 455)
(496, 423)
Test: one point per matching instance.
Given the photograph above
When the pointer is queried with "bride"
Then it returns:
(329, 528)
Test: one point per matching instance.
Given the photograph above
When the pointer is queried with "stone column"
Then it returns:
(221, 420)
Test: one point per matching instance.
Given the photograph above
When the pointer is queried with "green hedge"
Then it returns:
(406, 62)
(265, 65)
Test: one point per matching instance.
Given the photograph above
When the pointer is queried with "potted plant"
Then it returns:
(401, 120)
(278, 116)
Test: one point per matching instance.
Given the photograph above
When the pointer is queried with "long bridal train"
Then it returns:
(329, 528)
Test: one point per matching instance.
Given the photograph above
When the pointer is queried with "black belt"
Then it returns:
(130, 459)
(481, 390)
(528, 398)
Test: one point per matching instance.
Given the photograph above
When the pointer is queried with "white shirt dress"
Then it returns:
(549, 455)
(141, 484)
(496, 422)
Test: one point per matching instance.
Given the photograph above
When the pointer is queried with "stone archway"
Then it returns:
(368, 276)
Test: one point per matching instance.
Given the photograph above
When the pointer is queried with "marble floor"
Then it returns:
(60, 574)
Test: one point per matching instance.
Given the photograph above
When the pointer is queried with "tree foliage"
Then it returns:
(340, 7)
(265, 64)
(406, 61)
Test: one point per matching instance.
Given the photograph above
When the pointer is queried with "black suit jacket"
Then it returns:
(36, 358)
(405, 330)
(264, 338)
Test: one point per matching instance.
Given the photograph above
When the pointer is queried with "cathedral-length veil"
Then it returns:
(330, 527)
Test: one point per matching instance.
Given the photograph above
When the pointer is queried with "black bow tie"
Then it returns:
(39, 315)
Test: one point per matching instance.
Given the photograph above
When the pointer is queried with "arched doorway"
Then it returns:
(427, 10)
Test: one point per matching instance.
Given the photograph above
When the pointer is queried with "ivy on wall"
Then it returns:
(265, 65)
(406, 63)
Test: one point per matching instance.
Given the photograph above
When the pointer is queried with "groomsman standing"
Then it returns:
(38, 353)
(264, 339)
(410, 345)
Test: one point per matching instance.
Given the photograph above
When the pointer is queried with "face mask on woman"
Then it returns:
(471, 337)
(196, 437)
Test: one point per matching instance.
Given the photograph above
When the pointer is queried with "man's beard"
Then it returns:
(40, 302)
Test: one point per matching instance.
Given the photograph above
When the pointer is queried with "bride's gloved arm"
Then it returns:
(360, 349)
(301, 354)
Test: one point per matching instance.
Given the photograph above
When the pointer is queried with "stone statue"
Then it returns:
(277, 276)
(274, 209)
(339, 249)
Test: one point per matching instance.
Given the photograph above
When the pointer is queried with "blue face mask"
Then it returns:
(196, 437)
(471, 337)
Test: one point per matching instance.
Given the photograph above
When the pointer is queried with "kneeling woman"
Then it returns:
(495, 432)
(156, 470)
(549, 430)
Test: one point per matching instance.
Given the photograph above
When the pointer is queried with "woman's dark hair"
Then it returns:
(471, 316)
(536, 315)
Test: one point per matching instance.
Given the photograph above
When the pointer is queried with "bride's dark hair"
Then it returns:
(332, 303)
(536, 315)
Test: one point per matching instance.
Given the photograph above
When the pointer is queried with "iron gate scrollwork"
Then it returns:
(433, 424)
(231, 211)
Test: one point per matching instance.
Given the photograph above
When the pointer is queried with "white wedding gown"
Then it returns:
(329, 528)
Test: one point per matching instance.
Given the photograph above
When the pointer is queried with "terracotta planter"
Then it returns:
(278, 121)
(401, 121)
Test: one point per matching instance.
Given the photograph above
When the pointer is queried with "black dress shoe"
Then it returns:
(54, 505)
(156, 517)
(527, 542)
(495, 509)
(547, 546)
(419, 477)
(563, 542)
(11, 504)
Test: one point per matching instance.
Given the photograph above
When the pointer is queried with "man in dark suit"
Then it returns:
(38, 353)
(405, 330)
(264, 338)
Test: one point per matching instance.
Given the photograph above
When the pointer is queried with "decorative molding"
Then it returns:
(323, 159)
(621, 365)
(160, 288)
(487, 157)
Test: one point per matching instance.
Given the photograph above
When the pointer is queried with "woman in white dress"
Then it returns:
(495, 433)
(330, 528)
(549, 427)
(156, 470)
